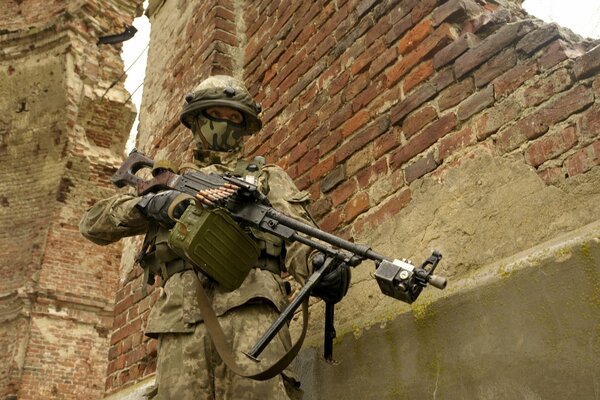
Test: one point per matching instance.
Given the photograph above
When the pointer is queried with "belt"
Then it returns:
(170, 268)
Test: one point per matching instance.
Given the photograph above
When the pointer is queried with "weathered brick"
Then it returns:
(589, 122)
(418, 75)
(452, 51)
(544, 88)
(495, 118)
(556, 52)
(515, 77)
(587, 64)
(331, 221)
(475, 103)
(320, 208)
(420, 167)
(358, 121)
(398, 29)
(356, 206)
(538, 38)
(583, 160)
(437, 40)
(361, 139)
(492, 45)
(422, 9)
(423, 140)
(456, 141)
(418, 120)
(456, 93)
(456, 11)
(551, 145)
(424, 93)
(551, 176)
(382, 61)
(538, 123)
(337, 175)
(389, 208)
(322, 168)
(386, 142)
(503, 62)
(413, 37)
(343, 192)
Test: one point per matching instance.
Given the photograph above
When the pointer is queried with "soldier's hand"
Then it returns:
(164, 207)
(334, 285)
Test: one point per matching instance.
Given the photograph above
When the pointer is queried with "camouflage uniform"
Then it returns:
(188, 365)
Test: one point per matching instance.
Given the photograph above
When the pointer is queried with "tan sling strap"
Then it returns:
(223, 348)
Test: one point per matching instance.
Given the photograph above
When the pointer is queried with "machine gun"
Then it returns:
(399, 279)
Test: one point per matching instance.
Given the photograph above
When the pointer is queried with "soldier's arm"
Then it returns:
(286, 198)
(112, 219)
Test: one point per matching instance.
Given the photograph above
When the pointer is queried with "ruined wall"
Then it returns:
(61, 133)
(466, 126)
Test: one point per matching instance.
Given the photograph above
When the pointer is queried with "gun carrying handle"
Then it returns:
(125, 175)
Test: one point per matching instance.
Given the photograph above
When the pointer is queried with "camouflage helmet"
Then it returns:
(222, 90)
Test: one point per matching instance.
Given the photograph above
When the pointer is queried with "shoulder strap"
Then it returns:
(223, 348)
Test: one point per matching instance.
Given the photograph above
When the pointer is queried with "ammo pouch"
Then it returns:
(213, 242)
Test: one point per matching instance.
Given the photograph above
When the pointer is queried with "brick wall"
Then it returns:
(363, 100)
(61, 136)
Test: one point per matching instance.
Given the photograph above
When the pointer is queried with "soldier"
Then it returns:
(220, 112)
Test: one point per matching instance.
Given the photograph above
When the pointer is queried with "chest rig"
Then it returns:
(211, 242)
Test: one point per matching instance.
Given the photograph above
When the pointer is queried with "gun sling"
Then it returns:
(223, 348)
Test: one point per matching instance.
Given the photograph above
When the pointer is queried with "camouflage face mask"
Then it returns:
(218, 134)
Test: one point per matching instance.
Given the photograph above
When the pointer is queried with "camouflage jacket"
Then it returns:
(176, 310)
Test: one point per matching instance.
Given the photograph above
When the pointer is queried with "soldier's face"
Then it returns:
(219, 128)
(226, 113)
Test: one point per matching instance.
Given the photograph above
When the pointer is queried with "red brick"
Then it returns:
(322, 168)
(355, 123)
(356, 206)
(417, 120)
(491, 46)
(330, 142)
(454, 49)
(515, 77)
(583, 160)
(309, 160)
(418, 75)
(456, 93)
(546, 87)
(386, 142)
(356, 86)
(343, 192)
(456, 10)
(423, 140)
(475, 103)
(366, 96)
(501, 63)
(551, 146)
(589, 122)
(389, 208)
(422, 9)
(382, 61)
(456, 141)
(495, 118)
(331, 221)
(416, 35)
(360, 140)
(437, 40)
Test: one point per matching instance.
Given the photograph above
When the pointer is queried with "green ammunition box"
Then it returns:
(215, 244)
